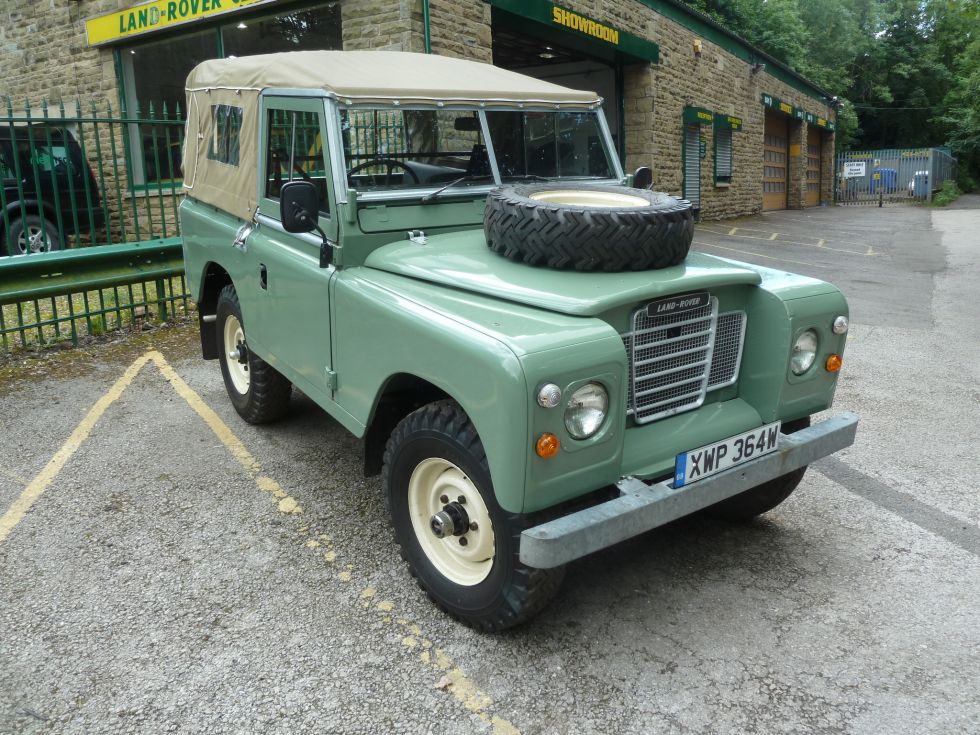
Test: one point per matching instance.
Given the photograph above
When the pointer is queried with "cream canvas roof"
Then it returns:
(382, 76)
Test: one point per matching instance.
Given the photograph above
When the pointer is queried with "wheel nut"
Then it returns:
(443, 499)
(461, 500)
(463, 541)
(473, 525)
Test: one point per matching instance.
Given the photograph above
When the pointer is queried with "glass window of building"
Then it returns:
(154, 73)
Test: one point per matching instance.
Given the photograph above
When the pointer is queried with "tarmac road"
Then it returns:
(180, 571)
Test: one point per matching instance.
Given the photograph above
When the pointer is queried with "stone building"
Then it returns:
(717, 120)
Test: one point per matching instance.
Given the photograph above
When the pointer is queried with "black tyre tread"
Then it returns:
(533, 588)
(269, 391)
(583, 239)
(762, 498)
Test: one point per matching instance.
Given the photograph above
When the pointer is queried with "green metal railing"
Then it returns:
(74, 178)
(88, 220)
(62, 296)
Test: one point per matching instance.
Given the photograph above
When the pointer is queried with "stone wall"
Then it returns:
(44, 53)
(393, 25)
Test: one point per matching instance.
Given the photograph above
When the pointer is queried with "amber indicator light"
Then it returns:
(833, 363)
(547, 446)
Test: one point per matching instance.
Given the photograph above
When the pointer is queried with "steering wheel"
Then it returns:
(390, 163)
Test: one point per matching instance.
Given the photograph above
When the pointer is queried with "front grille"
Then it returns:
(675, 360)
(727, 355)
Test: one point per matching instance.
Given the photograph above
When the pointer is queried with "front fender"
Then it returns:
(379, 332)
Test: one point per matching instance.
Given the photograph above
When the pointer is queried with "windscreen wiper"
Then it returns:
(431, 197)
(526, 177)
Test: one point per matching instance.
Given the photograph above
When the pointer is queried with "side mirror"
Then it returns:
(643, 178)
(298, 205)
(299, 202)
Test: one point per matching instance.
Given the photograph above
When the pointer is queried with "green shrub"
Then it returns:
(965, 181)
(947, 195)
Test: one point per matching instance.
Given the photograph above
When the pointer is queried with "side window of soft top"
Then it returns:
(294, 150)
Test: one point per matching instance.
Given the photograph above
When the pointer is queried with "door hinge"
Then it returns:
(331, 379)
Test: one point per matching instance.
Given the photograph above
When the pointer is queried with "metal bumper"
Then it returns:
(641, 507)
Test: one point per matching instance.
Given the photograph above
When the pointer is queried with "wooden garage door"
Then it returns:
(774, 162)
(814, 152)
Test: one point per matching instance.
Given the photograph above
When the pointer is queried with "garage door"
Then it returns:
(774, 162)
(814, 141)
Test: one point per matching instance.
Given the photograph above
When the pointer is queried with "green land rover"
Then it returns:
(447, 258)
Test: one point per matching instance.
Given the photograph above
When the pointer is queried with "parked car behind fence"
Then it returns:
(49, 191)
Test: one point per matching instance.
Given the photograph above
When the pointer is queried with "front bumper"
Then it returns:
(641, 507)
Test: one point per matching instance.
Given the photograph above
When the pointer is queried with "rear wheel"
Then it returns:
(461, 546)
(32, 234)
(763, 498)
(258, 391)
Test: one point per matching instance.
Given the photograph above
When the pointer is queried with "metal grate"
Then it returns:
(727, 355)
(675, 360)
(670, 360)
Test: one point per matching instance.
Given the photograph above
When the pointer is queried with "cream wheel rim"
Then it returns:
(234, 346)
(465, 559)
(586, 198)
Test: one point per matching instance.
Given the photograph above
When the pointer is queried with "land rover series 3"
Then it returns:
(446, 257)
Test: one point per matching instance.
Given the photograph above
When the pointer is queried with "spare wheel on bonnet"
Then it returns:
(588, 228)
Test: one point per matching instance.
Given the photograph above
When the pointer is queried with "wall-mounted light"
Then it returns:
(757, 67)
(241, 26)
(698, 47)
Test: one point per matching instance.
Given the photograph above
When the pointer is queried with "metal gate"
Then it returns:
(692, 164)
(775, 157)
(891, 176)
(814, 154)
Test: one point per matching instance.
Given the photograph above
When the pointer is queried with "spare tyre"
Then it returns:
(588, 228)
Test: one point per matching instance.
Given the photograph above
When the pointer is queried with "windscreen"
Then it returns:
(398, 149)
(405, 149)
(553, 145)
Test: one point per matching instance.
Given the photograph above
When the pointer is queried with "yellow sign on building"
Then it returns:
(158, 15)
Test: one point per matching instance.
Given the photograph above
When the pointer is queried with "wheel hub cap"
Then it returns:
(456, 537)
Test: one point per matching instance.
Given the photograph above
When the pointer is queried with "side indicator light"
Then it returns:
(547, 446)
(833, 363)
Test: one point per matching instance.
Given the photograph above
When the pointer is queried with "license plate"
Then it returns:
(720, 456)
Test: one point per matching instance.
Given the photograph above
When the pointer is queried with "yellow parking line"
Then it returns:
(36, 487)
(759, 255)
(774, 235)
(462, 688)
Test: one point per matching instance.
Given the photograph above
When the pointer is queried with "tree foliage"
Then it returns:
(907, 71)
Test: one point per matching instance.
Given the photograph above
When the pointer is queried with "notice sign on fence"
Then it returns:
(854, 169)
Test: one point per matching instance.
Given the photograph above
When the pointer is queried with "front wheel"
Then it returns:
(258, 391)
(461, 546)
(763, 498)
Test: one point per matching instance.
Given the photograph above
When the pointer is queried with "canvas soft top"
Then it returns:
(356, 77)
(365, 76)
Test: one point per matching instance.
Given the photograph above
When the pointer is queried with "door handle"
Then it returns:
(263, 276)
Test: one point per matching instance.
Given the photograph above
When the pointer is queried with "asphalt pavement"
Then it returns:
(181, 571)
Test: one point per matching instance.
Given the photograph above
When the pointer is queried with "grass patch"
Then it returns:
(71, 318)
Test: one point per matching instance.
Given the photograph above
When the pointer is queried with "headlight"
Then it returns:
(804, 352)
(586, 410)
